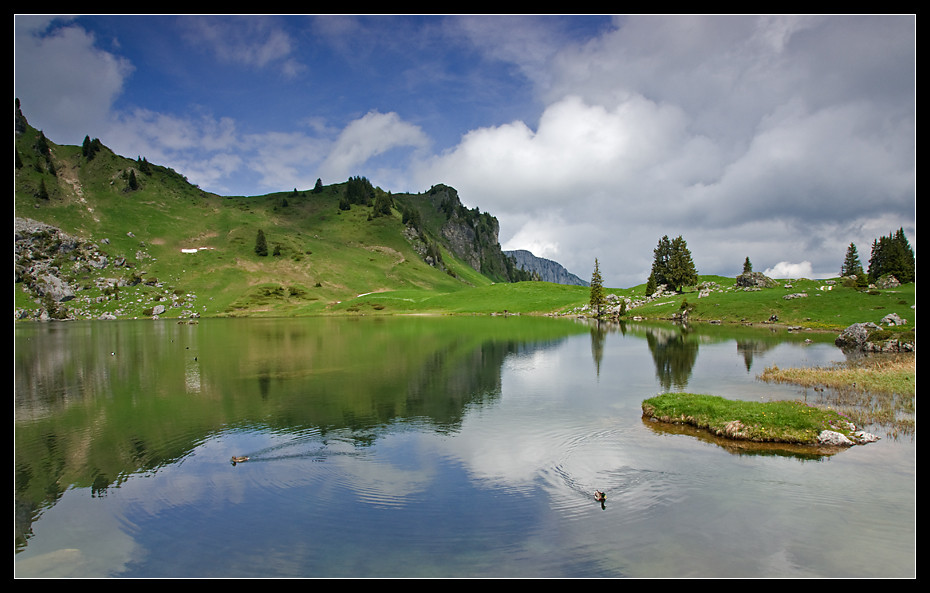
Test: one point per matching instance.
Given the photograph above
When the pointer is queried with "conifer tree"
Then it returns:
(382, 206)
(681, 267)
(747, 266)
(661, 255)
(41, 144)
(597, 290)
(672, 265)
(851, 265)
(261, 247)
(892, 255)
(42, 192)
(651, 285)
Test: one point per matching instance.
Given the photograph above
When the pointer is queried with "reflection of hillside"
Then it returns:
(95, 403)
(674, 355)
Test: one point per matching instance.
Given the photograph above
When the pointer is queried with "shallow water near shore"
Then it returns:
(429, 447)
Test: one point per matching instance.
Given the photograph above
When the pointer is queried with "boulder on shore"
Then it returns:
(869, 337)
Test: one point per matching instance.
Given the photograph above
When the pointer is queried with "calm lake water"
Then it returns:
(428, 447)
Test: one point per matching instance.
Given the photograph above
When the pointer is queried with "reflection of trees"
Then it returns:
(749, 348)
(674, 356)
(87, 418)
(598, 337)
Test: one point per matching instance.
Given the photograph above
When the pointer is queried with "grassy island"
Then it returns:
(779, 421)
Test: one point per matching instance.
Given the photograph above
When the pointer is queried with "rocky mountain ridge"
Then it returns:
(546, 270)
(69, 199)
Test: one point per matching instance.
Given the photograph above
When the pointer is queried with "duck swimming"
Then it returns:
(239, 459)
(599, 496)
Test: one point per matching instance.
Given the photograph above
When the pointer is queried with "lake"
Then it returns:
(429, 447)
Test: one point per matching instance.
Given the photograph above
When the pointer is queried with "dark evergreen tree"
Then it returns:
(90, 148)
(261, 247)
(851, 265)
(747, 266)
(672, 265)
(318, 187)
(681, 270)
(892, 255)
(905, 261)
(597, 299)
(382, 205)
(661, 255)
(411, 216)
(42, 192)
(359, 191)
(651, 285)
(41, 145)
(133, 183)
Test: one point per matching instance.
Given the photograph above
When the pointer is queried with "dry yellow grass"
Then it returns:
(869, 390)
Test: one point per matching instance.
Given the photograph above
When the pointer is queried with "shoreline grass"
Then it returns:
(874, 389)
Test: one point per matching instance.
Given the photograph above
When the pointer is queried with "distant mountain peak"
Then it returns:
(548, 270)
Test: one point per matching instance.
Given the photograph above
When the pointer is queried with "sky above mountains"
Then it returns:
(778, 138)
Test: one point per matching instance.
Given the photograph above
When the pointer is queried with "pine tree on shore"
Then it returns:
(597, 290)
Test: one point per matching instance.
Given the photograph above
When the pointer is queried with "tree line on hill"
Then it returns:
(673, 266)
(891, 256)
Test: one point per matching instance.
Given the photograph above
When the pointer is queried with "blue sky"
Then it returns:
(778, 138)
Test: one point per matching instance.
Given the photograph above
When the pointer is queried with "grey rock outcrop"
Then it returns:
(869, 337)
(546, 269)
(37, 250)
(755, 280)
(887, 281)
(471, 235)
(856, 335)
(893, 319)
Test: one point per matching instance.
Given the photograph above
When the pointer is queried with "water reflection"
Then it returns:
(96, 403)
(744, 448)
(384, 447)
(749, 348)
(674, 354)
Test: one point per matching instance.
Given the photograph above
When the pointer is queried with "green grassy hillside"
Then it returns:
(170, 245)
(318, 253)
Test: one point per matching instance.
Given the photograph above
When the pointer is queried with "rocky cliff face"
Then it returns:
(546, 269)
(472, 236)
(43, 257)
